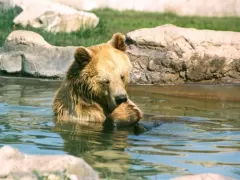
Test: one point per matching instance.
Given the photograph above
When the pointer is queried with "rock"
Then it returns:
(52, 17)
(180, 7)
(10, 62)
(163, 55)
(170, 55)
(22, 166)
(27, 53)
(204, 176)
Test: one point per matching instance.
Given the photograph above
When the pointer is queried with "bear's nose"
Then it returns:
(120, 99)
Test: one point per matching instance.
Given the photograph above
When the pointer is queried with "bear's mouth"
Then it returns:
(112, 107)
(111, 104)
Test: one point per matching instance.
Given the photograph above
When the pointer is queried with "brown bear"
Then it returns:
(94, 89)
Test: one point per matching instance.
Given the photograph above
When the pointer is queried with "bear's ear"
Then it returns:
(118, 42)
(82, 55)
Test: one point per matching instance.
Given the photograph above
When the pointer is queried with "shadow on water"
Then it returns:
(197, 135)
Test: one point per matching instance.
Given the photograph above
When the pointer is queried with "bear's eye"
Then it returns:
(122, 77)
(106, 81)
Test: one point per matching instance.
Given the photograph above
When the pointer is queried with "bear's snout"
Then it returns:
(121, 98)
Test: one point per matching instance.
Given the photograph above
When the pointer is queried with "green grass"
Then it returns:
(6, 22)
(112, 21)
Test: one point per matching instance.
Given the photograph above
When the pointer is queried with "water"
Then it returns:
(200, 131)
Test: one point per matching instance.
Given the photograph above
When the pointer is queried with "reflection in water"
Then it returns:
(196, 135)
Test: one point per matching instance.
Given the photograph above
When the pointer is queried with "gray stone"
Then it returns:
(27, 53)
(163, 55)
(11, 62)
(170, 55)
(180, 7)
(50, 16)
(17, 165)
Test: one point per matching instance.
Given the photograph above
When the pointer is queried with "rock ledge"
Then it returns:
(169, 54)
(23, 166)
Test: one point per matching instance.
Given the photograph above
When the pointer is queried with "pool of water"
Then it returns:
(200, 131)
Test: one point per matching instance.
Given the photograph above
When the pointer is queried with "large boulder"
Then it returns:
(27, 53)
(180, 7)
(163, 55)
(16, 165)
(51, 16)
(169, 54)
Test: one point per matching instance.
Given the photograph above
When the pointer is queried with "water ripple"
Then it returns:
(196, 136)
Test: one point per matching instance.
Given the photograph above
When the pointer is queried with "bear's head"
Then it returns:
(100, 73)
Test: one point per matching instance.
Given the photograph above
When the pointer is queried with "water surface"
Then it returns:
(200, 131)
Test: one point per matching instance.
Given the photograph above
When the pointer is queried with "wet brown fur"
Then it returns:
(82, 97)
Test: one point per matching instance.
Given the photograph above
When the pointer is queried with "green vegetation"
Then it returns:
(57, 175)
(112, 21)
(6, 22)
